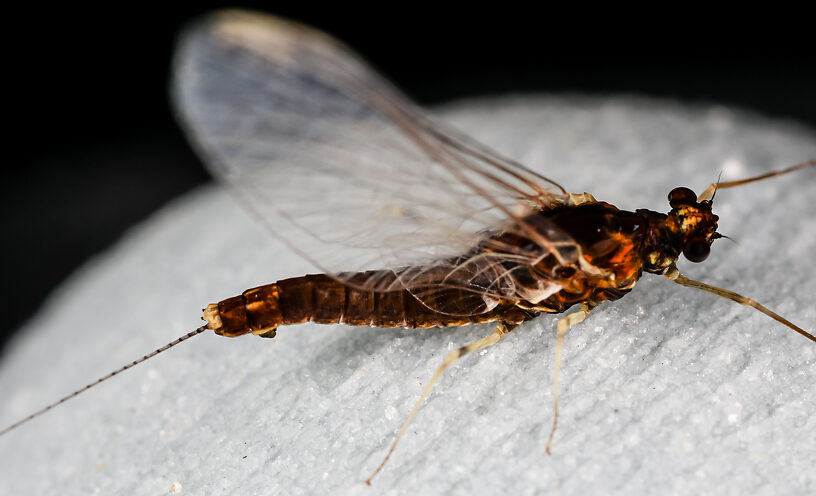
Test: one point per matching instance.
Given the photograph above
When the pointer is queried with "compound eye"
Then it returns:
(696, 250)
(682, 196)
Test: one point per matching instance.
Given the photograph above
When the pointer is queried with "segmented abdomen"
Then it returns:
(323, 300)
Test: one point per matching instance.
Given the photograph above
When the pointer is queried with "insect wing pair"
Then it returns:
(350, 174)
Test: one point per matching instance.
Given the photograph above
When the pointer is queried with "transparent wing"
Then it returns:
(341, 167)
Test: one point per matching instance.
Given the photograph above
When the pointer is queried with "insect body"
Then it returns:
(615, 248)
(353, 177)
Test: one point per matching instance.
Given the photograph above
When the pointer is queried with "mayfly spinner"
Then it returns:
(349, 174)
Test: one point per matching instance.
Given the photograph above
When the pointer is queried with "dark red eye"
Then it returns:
(682, 196)
(696, 250)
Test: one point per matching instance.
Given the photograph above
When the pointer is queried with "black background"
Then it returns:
(90, 145)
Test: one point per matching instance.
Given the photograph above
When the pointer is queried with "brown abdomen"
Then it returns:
(323, 300)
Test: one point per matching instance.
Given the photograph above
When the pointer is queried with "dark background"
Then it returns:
(91, 147)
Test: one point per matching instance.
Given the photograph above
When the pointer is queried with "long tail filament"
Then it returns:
(103, 379)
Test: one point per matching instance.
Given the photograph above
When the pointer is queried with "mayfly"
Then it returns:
(353, 177)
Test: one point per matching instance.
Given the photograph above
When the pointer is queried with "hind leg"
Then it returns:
(563, 324)
(498, 334)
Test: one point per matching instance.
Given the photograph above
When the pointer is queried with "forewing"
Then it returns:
(337, 164)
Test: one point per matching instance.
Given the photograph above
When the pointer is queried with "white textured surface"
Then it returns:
(666, 391)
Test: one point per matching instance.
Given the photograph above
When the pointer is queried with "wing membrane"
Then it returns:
(346, 171)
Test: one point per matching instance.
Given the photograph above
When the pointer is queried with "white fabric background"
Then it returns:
(668, 391)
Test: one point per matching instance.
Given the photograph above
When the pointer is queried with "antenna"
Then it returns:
(716, 186)
(103, 379)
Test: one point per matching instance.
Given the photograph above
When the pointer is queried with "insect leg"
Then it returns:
(708, 194)
(501, 330)
(563, 324)
(674, 275)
